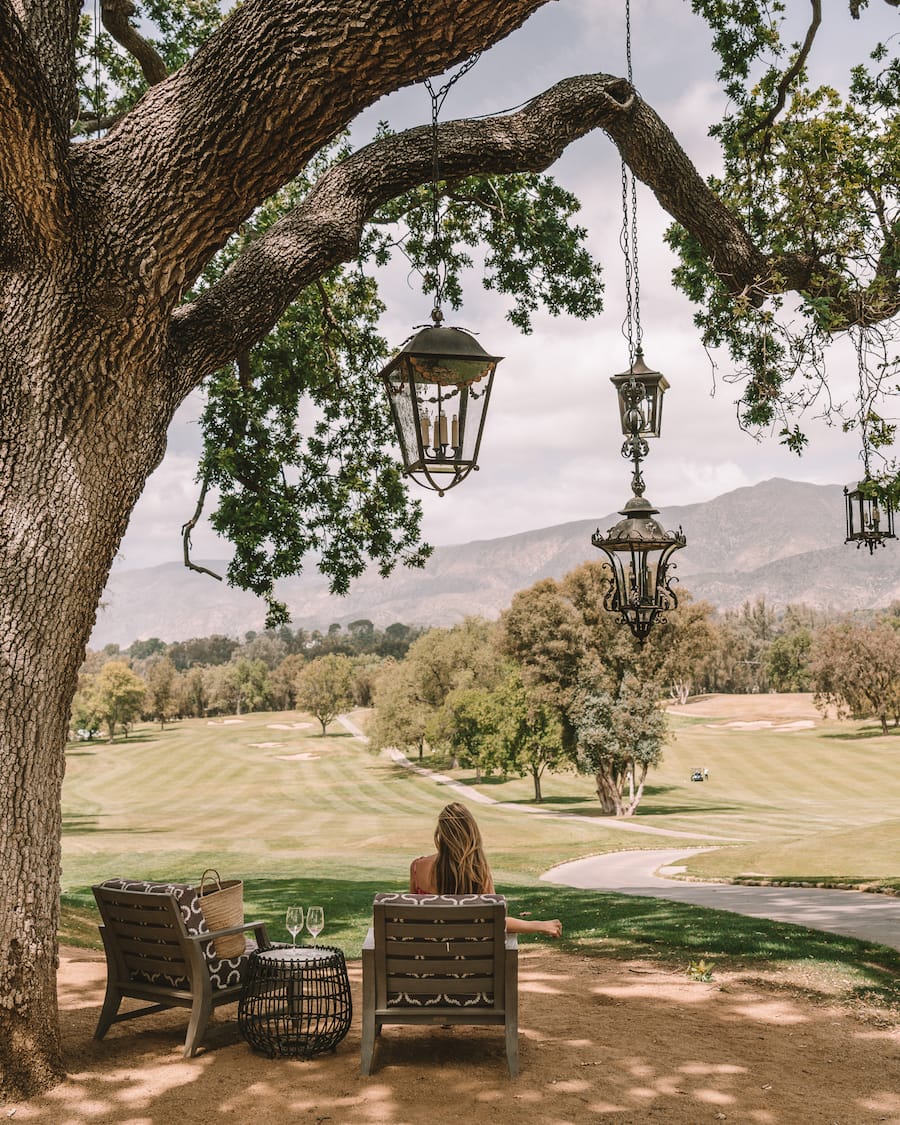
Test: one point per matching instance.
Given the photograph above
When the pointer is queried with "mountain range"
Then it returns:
(780, 540)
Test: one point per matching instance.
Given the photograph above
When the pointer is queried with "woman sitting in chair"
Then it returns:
(459, 867)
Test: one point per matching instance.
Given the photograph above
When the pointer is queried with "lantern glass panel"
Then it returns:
(404, 410)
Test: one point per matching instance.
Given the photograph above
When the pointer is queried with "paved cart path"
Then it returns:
(869, 917)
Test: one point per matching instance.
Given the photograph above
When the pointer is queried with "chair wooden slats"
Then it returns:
(446, 960)
(151, 956)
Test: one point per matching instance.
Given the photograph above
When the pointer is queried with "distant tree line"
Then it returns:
(216, 675)
(555, 684)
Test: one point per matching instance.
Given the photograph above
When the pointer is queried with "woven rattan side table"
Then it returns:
(295, 1001)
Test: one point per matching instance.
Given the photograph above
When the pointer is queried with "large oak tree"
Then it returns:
(105, 326)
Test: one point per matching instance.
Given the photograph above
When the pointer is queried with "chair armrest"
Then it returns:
(369, 943)
(259, 927)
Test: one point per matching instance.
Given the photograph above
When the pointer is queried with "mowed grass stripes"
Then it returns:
(297, 816)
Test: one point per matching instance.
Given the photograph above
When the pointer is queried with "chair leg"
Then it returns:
(369, 1030)
(512, 1011)
(512, 1047)
(200, 1013)
(108, 1012)
(367, 1047)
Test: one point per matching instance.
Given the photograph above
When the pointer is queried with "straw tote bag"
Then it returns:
(223, 907)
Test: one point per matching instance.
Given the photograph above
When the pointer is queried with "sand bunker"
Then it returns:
(737, 724)
(222, 722)
(298, 757)
(266, 745)
(762, 724)
(289, 726)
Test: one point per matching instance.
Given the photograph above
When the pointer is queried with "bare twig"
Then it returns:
(791, 73)
(186, 530)
(90, 123)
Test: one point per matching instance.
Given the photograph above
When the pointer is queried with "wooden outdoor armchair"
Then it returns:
(439, 959)
(159, 949)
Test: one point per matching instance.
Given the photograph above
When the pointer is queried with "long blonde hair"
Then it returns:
(461, 866)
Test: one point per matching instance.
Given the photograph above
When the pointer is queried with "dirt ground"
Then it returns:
(600, 1041)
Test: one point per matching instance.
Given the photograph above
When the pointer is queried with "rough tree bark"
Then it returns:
(98, 242)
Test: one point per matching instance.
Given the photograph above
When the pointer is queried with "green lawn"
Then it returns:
(308, 819)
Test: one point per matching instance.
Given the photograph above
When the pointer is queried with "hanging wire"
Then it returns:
(864, 396)
(437, 103)
(97, 64)
(631, 326)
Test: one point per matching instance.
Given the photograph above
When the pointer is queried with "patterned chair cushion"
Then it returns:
(222, 973)
(440, 999)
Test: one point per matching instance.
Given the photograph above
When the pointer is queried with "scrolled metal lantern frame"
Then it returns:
(638, 548)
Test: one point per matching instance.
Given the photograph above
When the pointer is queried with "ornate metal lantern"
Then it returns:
(653, 385)
(870, 521)
(439, 385)
(638, 547)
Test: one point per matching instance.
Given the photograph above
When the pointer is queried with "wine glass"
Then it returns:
(294, 922)
(315, 921)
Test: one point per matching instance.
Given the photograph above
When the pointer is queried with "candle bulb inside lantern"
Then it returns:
(443, 430)
(454, 432)
(425, 430)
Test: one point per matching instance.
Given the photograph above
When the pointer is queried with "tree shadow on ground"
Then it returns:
(699, 808)
(863, 734)
(599, 1039)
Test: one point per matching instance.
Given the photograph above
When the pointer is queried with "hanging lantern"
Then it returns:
(439, 386)
(640, 389)
(639, 549)
(869, 520)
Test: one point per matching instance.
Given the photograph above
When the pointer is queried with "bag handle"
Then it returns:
(209, 871)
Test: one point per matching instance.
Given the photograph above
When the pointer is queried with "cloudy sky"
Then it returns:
(550, 452)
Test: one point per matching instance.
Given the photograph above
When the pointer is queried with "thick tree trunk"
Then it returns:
(536, 775)
(76, 448)
(636, 793)
(608, 792)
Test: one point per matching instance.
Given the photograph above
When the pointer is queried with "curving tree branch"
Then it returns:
(116, 16)
(325, 229)
(791, 73)
(265, 91)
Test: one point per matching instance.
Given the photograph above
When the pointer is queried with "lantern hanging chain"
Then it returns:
(437, 102)
(628, 239)
(97, 64)
(865, 397)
